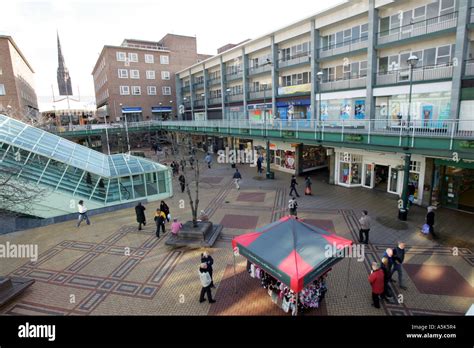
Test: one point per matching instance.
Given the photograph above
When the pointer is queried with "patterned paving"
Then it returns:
(111, 268)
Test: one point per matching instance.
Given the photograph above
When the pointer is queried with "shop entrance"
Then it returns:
(381, 175)
(458, 189)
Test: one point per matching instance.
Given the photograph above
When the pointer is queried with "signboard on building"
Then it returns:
(294, 89)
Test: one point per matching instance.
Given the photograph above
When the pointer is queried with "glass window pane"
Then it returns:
(429, 56)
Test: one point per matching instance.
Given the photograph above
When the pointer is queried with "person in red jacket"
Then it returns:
(376, 280)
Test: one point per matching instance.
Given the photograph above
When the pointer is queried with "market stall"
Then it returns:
(291, 258)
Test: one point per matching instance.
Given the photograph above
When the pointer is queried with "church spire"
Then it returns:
(64, 80)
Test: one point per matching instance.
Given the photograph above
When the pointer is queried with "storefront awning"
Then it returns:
(161, 109)
(131, 110)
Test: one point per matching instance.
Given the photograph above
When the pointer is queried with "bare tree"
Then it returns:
(17, 195)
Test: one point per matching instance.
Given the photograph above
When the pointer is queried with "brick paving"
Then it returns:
(111, 268)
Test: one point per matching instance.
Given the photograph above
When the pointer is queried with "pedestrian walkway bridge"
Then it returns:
(68, 172)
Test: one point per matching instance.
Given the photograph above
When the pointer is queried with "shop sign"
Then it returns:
(244, 130)
(288, 134)
(469, 144)
(295, 89)
(354, 137)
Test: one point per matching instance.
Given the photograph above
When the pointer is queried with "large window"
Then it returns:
(296, 79)
(165, 75)
(149, 58)
(2, 89)
(136, 90)
(291, 52)
(350, 169)
(343, 72)
(164, 59)
(151, 90)
(134, 74)
(345, 37)
(133, 57)
(121, 56)
(166, 90)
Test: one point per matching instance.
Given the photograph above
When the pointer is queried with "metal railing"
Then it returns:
(430, 25)
(299, 58)
(186, 88)
(423, 73)
(472, 15)
(199, 85)
(213, 82)
(454, 129)
(234, 75)
(260, 93)
(199, 103)
(469, 68)
(344, 47)
(215, 101)
(235, 97)
(356, 82)
(260, 69)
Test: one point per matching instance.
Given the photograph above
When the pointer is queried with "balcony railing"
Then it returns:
(424, 73)
(215, 101)
(261, 93)
(187, 104)
(234, 75)
(427, 26)
(344, 47)
(469, 71)
(213, 82)
(300, 58)
(260, 69)
(186, 88)
(199, 85)
(235, 97)
(359, 82)
(199, 103)
(472, 15)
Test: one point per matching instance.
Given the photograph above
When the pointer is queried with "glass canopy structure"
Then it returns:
(77, 172)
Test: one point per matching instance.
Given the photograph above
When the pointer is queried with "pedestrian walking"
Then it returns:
(293, 206)
(259, 165)
(376, 281)
(183, 164)
(387, 293)
(411, 194)
(430, 220)
(308, 184)
(176, 226)
(140, 213)
(191, 161)
(82, 209)
(398, 259)
(165, 209)
(293, 186)
(237, 177)
(182, 182)
(206, 281)
(160, 219)
(364, 222)
(209, 261)
(208, 160)
(389, 255)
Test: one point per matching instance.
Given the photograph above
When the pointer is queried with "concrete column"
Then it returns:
(332, 167)
(179, 96)
(191, 89)
(206, 92)
(245, 67)
(462, 38)
(315, 43)
(371, 60)
(223, 87)
(274, 49)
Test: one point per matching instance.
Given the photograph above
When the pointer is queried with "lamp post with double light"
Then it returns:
(124, 116)
(403, 211)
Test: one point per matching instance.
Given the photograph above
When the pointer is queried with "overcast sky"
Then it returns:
(86, 26)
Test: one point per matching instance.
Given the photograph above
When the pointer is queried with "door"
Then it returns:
(393, 179)
(381, 177)
(368, 180)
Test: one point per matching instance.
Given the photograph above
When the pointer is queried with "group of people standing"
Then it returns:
(162, 216)
(381, 274)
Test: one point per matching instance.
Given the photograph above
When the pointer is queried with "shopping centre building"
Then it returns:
(338, 90)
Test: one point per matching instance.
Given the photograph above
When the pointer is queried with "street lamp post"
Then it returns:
(402, 215)
(227, 102)
(269, 173)
(124, 115)
(320, 75)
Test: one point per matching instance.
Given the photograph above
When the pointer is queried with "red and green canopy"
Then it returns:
(292, 251)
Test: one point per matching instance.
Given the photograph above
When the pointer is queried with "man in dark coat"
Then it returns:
(140, 212)
(165, 209)
(430, 220)
(398, 258)
(376, 280)
(206, 281)
(209, 261)
(182, 182)
(293, 186)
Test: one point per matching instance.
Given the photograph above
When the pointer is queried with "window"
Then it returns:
(2, 89)
(164, 59)
(133, 57)
(136, 90)
(151, 90)
(121, 56)
(363, 68)
(419, 13)
(165, 75)
(150, 74)
(444, 54)
(134, 74)
(364, 32)
(149, 58)
(447, 6)
(124, 90)
(123, 73)
(166, 90)
(429, 56)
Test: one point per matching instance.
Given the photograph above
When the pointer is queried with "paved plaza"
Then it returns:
(111, 268)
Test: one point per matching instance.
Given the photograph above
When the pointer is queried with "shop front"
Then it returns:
(298, 110)
(161, 113)
(378, 171)
(132, 114)
(283, 156)
(313, 158)
(453, 185)
(259, 113)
